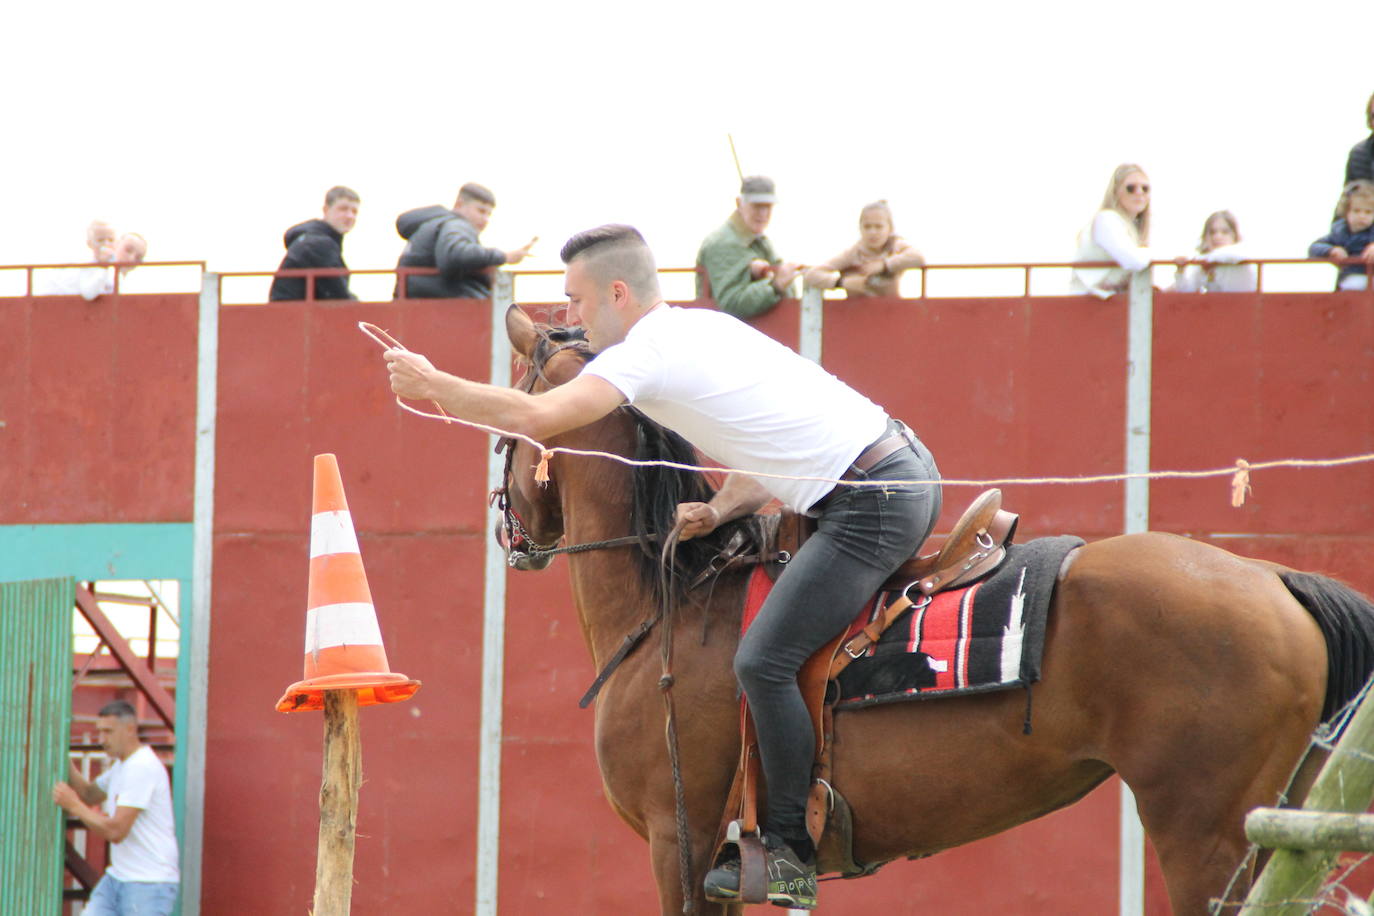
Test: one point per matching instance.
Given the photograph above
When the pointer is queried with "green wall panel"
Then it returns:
(35, 715)
(125, 551)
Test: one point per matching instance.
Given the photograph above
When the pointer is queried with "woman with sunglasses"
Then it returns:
(1119, 232)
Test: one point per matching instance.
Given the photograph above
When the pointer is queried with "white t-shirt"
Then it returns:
(149, 852)
(742, 398)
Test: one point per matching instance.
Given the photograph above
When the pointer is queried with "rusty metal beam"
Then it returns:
(143, 679)
(81, 870)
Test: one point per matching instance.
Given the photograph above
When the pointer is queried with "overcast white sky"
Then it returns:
(991, 128)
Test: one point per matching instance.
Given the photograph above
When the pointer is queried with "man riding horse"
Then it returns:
(750, 403)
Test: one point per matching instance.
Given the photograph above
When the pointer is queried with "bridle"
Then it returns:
(522, 550)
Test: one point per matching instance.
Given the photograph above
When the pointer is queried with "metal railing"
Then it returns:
(928, 281)
(112, 267)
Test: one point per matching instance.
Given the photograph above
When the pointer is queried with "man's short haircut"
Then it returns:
(473, 191)
(615, 252)
(119, 709)
(338, 193)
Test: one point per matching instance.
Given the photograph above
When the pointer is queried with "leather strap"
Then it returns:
(753, 870)
(859, 642)
(875, 453)
(963, 569)
(626, 647)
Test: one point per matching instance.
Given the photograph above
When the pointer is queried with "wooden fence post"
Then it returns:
(1345, 785)
(338, 803)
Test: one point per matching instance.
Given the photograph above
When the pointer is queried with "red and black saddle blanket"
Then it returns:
(986, 636)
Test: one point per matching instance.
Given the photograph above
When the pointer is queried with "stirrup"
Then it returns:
(748, 865)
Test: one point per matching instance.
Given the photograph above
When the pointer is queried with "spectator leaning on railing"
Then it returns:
(873, 265)
(100, 238)
(1119, 232)
(1220, 247)
(449, 240)
(736, 264)
(319, 243)
(92, 282)
(1350, 236)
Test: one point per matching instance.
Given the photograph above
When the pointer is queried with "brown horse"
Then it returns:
(1195, 674)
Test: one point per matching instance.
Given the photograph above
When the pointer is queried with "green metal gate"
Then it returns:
(35, 724)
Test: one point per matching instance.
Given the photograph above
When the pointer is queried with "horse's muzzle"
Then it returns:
(526, 562)
(518, 559)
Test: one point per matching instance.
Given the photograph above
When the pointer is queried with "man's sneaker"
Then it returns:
(791, 882)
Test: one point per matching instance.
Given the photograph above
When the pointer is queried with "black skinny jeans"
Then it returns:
(862, 536)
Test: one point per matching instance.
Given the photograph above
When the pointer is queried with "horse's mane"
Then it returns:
(658, 490)
(657, 493)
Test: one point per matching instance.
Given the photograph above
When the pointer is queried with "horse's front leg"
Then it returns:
(663, 849)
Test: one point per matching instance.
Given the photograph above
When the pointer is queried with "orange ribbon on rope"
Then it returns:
(1240, 483)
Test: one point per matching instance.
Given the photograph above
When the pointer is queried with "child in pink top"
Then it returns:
(873, 266)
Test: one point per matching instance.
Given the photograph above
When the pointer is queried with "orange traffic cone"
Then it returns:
(343, 644)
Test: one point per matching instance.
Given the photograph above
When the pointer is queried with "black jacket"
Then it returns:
(438, 237)
(313, 243)
(1340, 235)
(1360, 162)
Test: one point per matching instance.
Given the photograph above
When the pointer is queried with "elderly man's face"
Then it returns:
(754, 215)
(130, 249)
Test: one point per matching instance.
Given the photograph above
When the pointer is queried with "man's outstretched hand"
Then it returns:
(410, 374)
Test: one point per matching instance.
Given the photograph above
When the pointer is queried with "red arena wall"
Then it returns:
(99, 407)
(1018, 387)
(1015, 387)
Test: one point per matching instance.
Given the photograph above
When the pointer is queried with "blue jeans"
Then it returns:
(862, 536)
(113, 897)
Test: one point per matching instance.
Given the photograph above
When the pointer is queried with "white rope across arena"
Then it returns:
(1239, 472)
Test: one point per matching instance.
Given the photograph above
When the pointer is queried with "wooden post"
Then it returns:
(1277, 828)
(338, 803)
(1345, 785)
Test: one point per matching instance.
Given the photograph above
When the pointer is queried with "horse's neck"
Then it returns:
(608, 589)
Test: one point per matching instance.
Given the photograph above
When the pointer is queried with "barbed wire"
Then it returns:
(1324, 737)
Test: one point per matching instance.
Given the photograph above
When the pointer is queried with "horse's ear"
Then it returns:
(521, 331)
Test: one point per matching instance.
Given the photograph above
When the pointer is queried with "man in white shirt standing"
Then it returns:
(135, 815)
(757, 406)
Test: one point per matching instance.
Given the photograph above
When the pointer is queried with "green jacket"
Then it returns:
(724, 257)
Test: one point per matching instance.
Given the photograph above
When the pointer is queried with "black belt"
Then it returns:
(870, 457)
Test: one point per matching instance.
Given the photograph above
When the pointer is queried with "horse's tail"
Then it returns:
(1346, 619)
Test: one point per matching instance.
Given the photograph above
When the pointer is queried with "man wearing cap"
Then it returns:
(736, 265)
(449, 240)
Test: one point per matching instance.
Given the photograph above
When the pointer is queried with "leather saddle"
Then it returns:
(975, 547)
